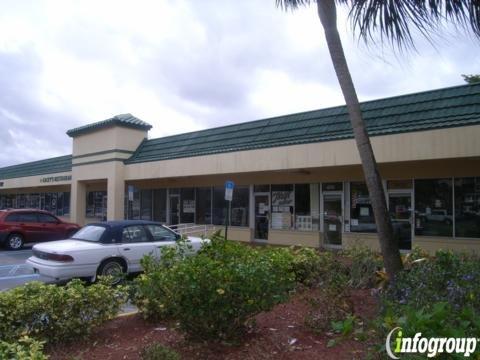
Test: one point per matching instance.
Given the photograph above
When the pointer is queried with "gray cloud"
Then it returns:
(29, 129)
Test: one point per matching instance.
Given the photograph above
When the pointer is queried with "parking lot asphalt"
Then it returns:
(14, 271)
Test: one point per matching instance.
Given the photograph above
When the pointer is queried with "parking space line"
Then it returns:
(9, 266)
(19, 277)
(15, 251)
(14, 269)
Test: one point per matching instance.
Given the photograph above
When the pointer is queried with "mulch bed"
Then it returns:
(279, 334)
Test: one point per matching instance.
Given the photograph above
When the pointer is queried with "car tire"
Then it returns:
(14, 241)
(114, 268)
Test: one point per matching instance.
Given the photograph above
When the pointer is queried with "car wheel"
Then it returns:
(113, 268)
(15, 242)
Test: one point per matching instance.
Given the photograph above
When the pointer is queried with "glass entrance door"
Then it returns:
(400, 209)
(332, 219)
(174, 209)
(262, 215)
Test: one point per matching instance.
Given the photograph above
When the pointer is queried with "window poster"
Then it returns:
(283, 199)
(364, 211)
(189, 206)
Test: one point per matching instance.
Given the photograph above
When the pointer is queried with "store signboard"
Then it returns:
(55, 179)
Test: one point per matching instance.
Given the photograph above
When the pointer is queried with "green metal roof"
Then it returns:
(448, 107)
(125, 120)
(40, 167)
(443, 108)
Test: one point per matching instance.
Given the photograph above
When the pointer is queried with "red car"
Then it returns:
(19, 226)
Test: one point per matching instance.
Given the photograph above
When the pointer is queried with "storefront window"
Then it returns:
(21, 201)
(96, 204)
(332, 186)
(399, 184)
(361, 213)
(306, 197)
(160, 205)
(219, 206)
(146, 204)
(60, 204)
(261, 188)
(203, 206)
(433, 207)
(66, 203)
(187, 209)
(240, 201)
(283, 202)
(467, 207)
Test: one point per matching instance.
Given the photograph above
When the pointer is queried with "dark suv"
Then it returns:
(19, 226)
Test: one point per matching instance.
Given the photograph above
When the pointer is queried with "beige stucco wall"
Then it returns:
(301, 238)
(114, 137)
(105, 176)
(101, 157)
(432, 244)
(34, 182)
(237, 233)
(354, 239)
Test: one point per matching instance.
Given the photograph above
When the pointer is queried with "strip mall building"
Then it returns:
(298, 177)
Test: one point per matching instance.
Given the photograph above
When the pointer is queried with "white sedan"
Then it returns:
(109, 248)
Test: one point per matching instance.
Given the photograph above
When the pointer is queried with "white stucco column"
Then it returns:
(78, 199)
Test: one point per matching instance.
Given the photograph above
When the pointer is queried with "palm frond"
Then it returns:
(395, 20)
(292, 4)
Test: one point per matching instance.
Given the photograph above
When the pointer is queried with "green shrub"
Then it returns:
(313, 268)
(24, 349)
(53, 313)
(363, 264)
(214, 293)
(438, 296)
(159, 352)
(446, 277)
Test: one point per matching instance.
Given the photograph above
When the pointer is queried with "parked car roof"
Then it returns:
(28, 210)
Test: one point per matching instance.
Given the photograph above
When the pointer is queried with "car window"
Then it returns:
(89, 233)
(159, 233)
(46, 218)
(22, 217)
(134, 234)
(12, 218)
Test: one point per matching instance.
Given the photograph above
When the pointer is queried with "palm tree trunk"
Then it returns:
(389, 247)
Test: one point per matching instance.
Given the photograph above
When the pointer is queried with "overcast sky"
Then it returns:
(185, 65)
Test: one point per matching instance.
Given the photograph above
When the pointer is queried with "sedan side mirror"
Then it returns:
(178, 236)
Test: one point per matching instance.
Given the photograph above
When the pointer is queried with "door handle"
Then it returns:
(126, 249)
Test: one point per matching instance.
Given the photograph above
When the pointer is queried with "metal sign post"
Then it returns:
(229, 185)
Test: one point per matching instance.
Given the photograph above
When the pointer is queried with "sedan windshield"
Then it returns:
(89, 233)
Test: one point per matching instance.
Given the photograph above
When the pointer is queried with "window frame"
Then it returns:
(152, 237)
